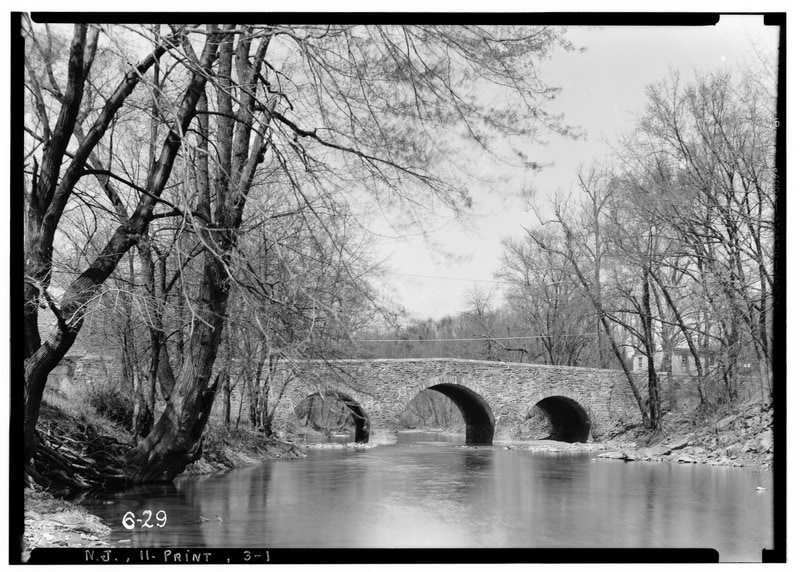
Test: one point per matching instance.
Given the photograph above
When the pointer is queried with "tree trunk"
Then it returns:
(272, 365)
(666, 367)
(226, 404)
(81, 291)
(653, 394)
(36, 371)
(175, 440)
(253, 408)
(138, 405)
(687, 334)
(601, 313)
(241, 403)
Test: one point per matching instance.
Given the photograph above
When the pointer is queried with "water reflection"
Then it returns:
(429, 437)
(455, 496)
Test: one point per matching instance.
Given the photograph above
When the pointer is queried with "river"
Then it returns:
(443, 494)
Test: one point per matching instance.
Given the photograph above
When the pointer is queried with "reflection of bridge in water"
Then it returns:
(496, 399)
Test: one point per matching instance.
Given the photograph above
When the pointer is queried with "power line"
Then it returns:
(501, 281)
(447, 277)
(481, 339)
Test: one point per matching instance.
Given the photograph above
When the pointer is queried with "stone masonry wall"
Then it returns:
(383, 388)
(85, 370)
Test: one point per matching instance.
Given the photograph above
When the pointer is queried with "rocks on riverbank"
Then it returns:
(55, 523)
(350, 445)
(741, 438)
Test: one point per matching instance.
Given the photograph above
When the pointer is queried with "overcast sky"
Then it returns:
(603, 88)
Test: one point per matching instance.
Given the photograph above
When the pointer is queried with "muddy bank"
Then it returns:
(223, 450)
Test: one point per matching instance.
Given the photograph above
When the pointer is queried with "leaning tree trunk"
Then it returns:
(175, 440)
(603, 317)
(666, 368)
(47, 357)
(653, 394)
(70, 320)
(687, 334)
(82, 290)
(592, 292)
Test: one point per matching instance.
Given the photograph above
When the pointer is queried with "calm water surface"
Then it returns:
(447, 495)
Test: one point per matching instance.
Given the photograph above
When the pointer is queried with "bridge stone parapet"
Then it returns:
(496, 398)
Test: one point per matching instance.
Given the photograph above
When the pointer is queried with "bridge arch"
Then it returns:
(357, 412)
(569, 421)
(496, 397)
(477, 414)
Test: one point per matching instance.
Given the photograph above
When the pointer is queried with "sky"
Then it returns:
(603, 88)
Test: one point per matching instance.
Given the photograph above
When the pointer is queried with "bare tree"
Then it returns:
(481, 318)
(541, 290)
(54, 179)
(717, 145)
(573, 247)
(336, 114)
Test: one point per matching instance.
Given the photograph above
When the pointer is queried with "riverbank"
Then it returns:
(224, 450)
(56, 523)
(741, 438)
(52, 522)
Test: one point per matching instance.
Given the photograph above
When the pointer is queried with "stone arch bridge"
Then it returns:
(495, 398)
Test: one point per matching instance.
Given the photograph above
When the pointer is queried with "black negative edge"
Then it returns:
(161, 556)
(16, 373)
(541, 18)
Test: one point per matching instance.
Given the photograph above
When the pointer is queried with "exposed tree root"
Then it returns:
(73, 456)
